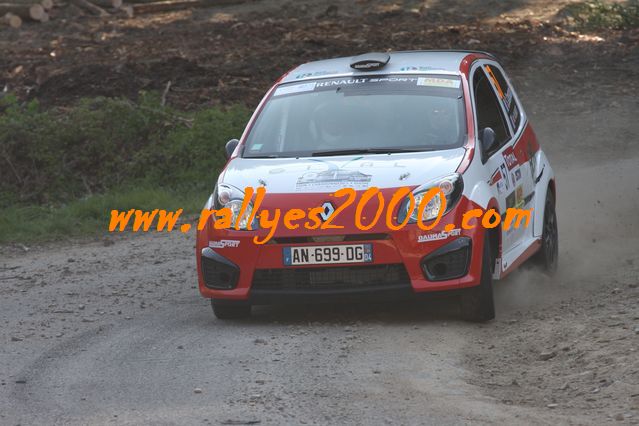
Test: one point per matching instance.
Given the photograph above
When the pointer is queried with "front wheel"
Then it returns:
(548, 254)
(229, 310)
(477, 303)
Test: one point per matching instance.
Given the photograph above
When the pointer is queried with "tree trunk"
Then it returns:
(87, 5)
(165, 6)
(14, 21)
(26, 11)
(109, 4)
(127, 10)
(150, 6)
(206, 3)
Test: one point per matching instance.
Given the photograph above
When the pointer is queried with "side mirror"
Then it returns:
(230, 147)
(488, 138)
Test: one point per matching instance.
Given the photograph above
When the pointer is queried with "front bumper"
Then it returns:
(402, 265)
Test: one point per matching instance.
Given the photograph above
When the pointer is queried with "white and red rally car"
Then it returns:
(419, 119)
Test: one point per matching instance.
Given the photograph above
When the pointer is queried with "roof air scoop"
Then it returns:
(370, 61)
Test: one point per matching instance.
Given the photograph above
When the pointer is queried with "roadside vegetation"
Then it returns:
(600, 15)
(64, 169)
(65, 163)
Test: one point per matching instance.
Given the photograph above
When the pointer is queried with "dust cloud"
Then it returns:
(597, 208)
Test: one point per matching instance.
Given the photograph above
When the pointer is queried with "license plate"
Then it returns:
(322, 255)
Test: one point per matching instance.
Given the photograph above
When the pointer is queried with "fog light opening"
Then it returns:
(439, 269)
(448, 262)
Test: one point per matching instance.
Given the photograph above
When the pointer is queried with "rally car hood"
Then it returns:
(326, 174)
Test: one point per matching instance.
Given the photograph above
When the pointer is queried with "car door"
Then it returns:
(503, 167)
(523, 146)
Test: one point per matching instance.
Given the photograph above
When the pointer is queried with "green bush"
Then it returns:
(91, 215)
(62, 170)
(600, 15)
(60, 155)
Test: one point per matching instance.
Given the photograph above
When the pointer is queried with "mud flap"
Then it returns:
(497, 270)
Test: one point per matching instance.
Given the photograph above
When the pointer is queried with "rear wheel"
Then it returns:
(548, 255)
(230, 310)
(477, 303)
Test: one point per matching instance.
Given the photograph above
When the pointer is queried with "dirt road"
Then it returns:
(113, 331)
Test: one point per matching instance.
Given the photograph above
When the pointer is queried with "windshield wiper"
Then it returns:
(367, 151)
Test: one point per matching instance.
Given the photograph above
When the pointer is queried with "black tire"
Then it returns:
(229, 310)
(477, 303)
(548, 255)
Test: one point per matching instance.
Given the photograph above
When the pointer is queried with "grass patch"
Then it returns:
(63, 170)
(603, 15)
(89, 216)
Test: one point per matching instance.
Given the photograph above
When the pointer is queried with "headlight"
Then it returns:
(228, 196)
(452, 186)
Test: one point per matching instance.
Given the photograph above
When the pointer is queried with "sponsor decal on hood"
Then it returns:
(312, 175)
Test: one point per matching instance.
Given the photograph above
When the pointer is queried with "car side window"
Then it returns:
(506, 95)
(489, 113)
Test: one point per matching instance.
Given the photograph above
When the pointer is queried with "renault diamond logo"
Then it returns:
(327, 211)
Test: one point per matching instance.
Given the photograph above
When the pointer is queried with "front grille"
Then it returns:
(330, 278)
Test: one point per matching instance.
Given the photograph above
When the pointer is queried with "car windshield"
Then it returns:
(358, 115)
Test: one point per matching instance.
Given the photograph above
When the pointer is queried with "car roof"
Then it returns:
(417, 61)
